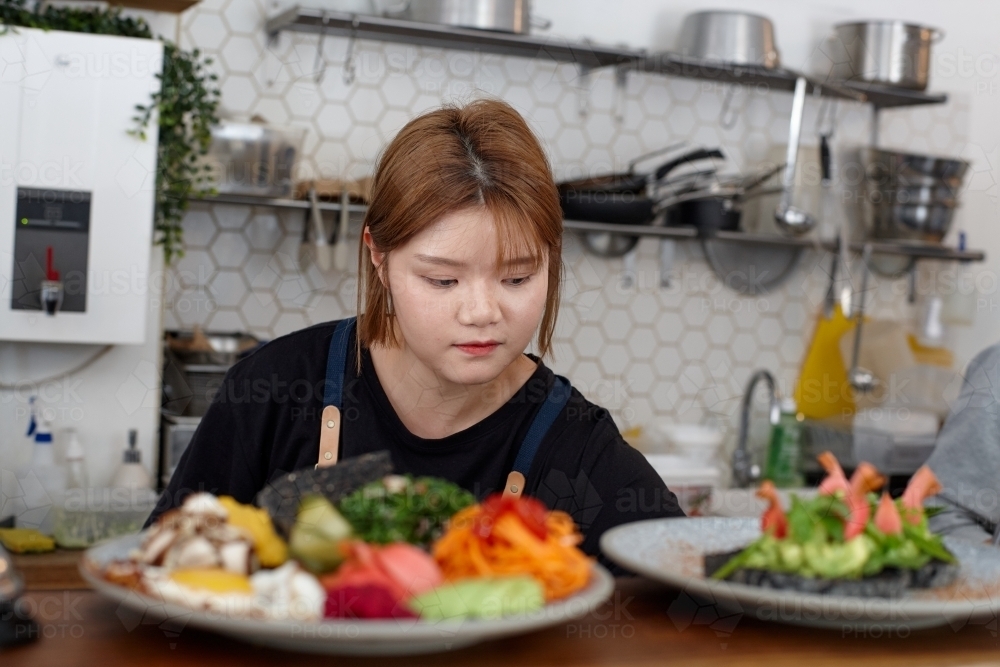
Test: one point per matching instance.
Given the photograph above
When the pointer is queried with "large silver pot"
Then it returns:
(888, 52)
(501, 15)
(732, 37)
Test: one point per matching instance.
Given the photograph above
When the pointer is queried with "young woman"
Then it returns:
(460, 267)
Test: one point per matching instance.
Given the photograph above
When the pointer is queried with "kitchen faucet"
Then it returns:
(744, 470)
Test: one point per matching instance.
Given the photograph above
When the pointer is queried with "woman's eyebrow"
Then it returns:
(444, 261)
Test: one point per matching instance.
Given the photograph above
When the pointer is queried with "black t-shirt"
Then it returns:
(265, 421)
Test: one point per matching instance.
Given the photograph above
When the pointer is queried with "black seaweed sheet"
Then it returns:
(281, 497)
(889, 583)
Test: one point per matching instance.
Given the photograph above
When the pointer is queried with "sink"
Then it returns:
(743, 502)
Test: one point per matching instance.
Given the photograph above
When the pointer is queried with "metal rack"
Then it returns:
(901, 248)
(587, 55)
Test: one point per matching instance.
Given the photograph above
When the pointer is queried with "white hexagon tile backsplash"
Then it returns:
(639, 349)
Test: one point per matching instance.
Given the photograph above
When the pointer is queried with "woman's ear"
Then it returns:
(377, 256)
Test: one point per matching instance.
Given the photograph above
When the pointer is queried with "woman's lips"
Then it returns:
(478, 350)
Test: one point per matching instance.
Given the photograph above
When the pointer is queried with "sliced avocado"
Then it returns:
(316, 536)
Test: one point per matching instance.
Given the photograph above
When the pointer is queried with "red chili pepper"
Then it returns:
(530, 511)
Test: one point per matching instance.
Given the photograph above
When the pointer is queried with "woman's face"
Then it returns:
(448, 293)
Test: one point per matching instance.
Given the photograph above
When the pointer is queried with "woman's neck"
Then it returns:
(431, 407)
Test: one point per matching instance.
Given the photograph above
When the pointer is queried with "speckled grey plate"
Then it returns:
(345, 637)
(672, 551)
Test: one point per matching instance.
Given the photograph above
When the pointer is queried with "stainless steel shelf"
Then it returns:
(584, 53)
(363, 26)
(882, 97)
(272, 202)
(904, 248)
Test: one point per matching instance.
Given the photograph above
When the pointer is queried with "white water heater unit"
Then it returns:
(76, 189)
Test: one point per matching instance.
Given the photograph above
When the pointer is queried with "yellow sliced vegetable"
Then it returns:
(270, 548)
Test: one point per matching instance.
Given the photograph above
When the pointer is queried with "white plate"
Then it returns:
(347, 637)
(672, 551)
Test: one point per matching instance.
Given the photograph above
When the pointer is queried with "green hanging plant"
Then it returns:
(186, 105)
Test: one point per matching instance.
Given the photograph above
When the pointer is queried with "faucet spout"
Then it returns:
(745, 470)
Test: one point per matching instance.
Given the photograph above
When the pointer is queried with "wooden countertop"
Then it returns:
(644, 624)
(54, 570)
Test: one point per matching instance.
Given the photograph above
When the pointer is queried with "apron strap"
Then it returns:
(333, 388)
(546, 415)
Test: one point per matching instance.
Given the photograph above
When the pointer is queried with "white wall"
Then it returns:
(966, 63)
(118, 392)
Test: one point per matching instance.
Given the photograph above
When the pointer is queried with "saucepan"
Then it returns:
(888, 52)
(717, 206)
(731, 37)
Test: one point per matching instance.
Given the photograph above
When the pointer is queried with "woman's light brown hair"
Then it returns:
(449, 159)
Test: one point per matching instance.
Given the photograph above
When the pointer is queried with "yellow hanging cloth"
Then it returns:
(822, 390)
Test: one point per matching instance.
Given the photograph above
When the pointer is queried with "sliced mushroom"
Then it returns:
(157, 545)
(193, 552)
(235, 557)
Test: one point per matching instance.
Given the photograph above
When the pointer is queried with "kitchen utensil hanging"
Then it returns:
(861, 380)
(791, 219)
(324, 255)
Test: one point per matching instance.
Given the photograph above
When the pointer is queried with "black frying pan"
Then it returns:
(636, 183)
(617, 199)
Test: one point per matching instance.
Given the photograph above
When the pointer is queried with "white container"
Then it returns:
(85, 186)
(696, 442)
(693, 483)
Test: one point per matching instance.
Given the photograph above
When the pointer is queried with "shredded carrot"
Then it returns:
(512, 549)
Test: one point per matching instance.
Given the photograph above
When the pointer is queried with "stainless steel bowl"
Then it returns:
(929, 223)
(910, 196)
(885, 166)
(733, 37)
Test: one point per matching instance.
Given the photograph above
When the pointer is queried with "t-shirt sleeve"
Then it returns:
(220, 458)
(615, 485)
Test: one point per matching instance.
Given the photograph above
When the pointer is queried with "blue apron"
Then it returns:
(333, 397)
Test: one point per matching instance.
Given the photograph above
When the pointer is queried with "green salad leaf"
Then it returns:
(815, 546)
(401, 508)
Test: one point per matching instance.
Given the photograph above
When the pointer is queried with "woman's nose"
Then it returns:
(479, 306)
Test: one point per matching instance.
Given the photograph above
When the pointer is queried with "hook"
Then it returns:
(827, 113)
(727, 116)
(321, 69)
(349, 57)
(583, 90)
(621, 79)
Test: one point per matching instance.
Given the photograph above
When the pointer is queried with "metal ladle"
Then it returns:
(861, 380)
(790, 218)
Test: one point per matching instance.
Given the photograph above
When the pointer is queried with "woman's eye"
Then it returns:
(519, 281)
(441, 282)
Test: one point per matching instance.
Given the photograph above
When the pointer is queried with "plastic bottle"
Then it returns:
(131, 474)
(43, 483)
(76, 464)
(961, 302)
(785, 450)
